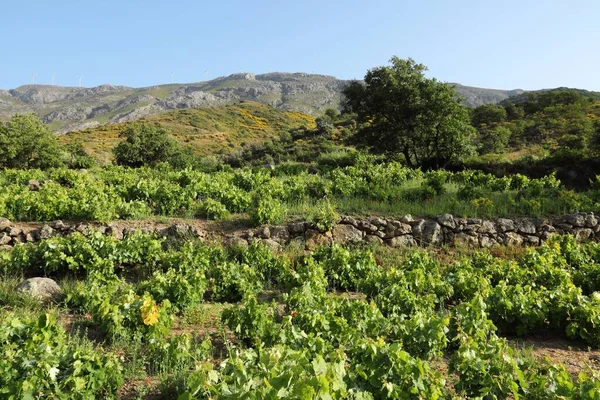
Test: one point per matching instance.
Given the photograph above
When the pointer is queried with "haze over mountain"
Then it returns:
(73, 108)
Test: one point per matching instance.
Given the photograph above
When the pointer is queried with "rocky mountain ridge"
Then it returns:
(73, 108)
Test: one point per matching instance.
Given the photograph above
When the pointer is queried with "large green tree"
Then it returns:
(26, 142)
(147, 144)
(403, 111)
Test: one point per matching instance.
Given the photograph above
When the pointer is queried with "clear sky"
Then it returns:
(528, 44)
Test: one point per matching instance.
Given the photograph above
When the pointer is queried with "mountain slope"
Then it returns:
(207, 130)
(70, 108)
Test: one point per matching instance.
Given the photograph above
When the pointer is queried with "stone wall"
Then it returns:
(407, 231)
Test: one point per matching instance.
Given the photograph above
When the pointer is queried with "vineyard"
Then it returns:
(147, 317)
(289, 190)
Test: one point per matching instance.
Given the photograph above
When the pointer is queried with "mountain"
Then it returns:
(67, 109)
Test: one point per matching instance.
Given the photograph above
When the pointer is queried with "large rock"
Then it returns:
(43, 288)
(34, 185)
(344, 233)
(591, 221)
(513, 239)
(280, 234)
(464, 240)
(428, 232)
(4, 223)
(582, 235)
(526, 226)
(577, 220)
(506, 225)
(446, 220)
(45, 232)
(5, 238)
(487, 227)
(401, 241)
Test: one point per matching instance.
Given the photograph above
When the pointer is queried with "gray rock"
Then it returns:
(407, 219)
(237, 242)
(564, 227)
(14, 231)
(349, 220)
(400, 228)
(4, 224)
(373, 239)
(545, 235)
(34, 185)
(582, 235)
(577, 220)
(263, 232)
(59, 225)
(343, 233)
(591, 221)
(486, 242)
(513, 239)
(525, 226)
(487, 227)
(179, 231)
(446, 220)
(45, 232)
(378, 222)
(30, 238)
(367, 226)
(5, 239)
(273, 245)
(464, 240)
(531, 240)
(401, 241)
(506, 225)
(5, 247)
(428, 232)
(297, 228)
(43, 288)
(279, 233)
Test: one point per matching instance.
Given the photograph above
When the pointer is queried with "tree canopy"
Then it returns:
(402, 111)
(148, 144)
(26, 142)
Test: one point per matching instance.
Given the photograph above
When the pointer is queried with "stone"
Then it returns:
(373, 239)
(179, 231)
(545, 235)
(43, 288)
(506, 225)
(474, 221)
(577, 220)
(272, 244)
(378, 222)
(279, 233)
(487, 227)
(447, 220)
(525, 226)
(400, 228)
(401, 241)
(564, 227)
(315, 239)
(59, 225)
(34, 185)
(6, 247)
(4, 224)
(45, 232)
(547, 228)
(297, 243)
(367, 226)
(14, 231)
(591, 221)
(343, 233)
(531, 240)
(513, 239)
(263, 232)
(83, 228)
(428, 233)
(297, 228)
(407, 219)
(349, 220)
(5, 239)
(486, 242)
(29, 237)
(464, 240)
(237, 242)
(115, 232)
(582, 235)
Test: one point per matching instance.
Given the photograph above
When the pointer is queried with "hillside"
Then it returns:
(71, 108)
(208, 130)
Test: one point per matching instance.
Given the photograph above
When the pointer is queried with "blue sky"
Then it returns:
(527, 44)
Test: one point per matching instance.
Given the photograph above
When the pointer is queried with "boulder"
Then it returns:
(279, 233)
(485, 241)
(428, 232)
(273, 245)
(487, 227)
(4, 224)
(263, 232)
(525, 226)
(344, 233)
(577, 220)
(373, 239)
(296, 228)
(401, 241)
(591, 221)
(582, 235)
(6, 247)
(506, 225)
(43, 288)
(5, 238)
(45, 232)
(447, 221)
(236, 242)
(513, 239)
(399, 228)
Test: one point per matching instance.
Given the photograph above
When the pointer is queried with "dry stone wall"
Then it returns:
(407, 231)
